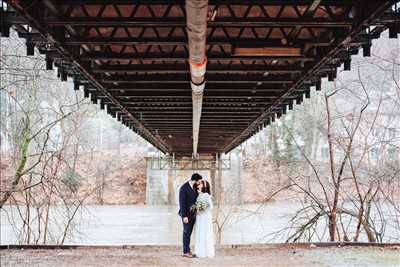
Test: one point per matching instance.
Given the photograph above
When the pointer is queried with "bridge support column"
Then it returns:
(157, 188)
(171, 178)
(216, 180)
(219, 180)
(212, 181)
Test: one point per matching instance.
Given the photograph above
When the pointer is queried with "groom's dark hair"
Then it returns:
(196, 177)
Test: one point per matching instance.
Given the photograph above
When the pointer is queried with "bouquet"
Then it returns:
(199, 206)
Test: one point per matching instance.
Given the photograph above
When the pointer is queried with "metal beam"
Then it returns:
(249, 42)
(12, 17)
(185, 120)
(211, 2)
(182, 78)
(210, 113)
(177, 101)
(37, 23)
(182, 56)
(142, 95)
(121, 96)
(184, 104)
(205, 108)
(248, 77)
(218, 22)
(212, 86)
(184, 68)
(373, 9)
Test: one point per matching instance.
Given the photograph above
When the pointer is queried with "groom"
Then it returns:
(187, 197)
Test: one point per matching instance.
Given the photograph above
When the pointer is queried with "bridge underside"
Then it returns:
(131, 57)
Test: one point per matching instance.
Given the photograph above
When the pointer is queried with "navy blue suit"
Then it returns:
(187, 197)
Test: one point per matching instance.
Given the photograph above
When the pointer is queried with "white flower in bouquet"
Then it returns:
(199, 206)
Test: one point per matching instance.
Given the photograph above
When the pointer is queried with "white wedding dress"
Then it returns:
(204, 233)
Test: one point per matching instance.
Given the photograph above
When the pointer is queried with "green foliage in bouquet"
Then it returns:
(199, 206)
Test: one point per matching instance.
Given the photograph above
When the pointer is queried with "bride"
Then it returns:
(204, 243)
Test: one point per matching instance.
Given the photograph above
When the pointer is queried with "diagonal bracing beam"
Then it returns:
(57, 42)
(361, 23)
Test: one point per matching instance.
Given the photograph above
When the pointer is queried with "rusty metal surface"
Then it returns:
(131, 57)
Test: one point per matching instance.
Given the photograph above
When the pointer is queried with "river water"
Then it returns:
(159, 225)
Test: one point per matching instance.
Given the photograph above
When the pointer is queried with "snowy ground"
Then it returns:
(269, 255)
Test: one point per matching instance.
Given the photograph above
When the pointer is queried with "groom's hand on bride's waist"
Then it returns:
(185, 219)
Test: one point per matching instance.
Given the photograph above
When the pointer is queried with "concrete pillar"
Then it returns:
(171, 176)
(148, 190)
(240, 184)
(235, 181)
(216, 179)
(213, 188)
(220, 190)
(156, 185)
